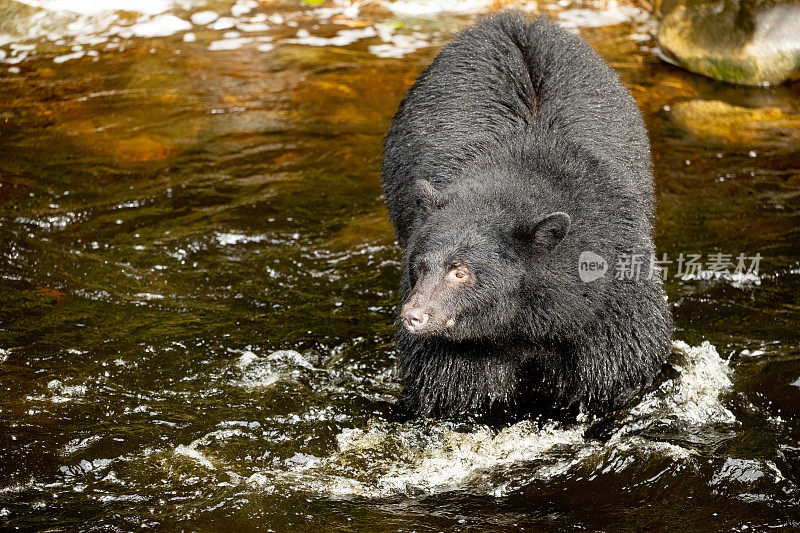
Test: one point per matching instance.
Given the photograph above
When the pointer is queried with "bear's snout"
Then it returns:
(414, 318)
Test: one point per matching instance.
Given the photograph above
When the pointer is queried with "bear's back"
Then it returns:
(497, 83)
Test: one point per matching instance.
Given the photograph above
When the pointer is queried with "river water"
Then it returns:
(198, 283)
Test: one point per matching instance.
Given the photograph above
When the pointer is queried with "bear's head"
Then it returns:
(473, 261)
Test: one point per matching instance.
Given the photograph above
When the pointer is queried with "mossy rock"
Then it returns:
(748, 42)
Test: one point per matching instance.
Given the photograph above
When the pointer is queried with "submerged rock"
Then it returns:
(722, 122)
(749, 42)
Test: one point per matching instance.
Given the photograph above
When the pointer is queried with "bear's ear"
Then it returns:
(545, 234)
(428, 197)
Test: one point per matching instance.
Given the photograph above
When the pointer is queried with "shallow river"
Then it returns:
(198, 283)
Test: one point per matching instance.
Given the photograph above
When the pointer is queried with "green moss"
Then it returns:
(730, 70)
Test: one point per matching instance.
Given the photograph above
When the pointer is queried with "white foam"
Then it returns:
(160, 26)
(227, 239)
(257, 372)
(148, 296)
(62, 393)
(54, 222)
(76, 445)
(16, 59)
(397, 44)
(694, 397)
(243, 6)
(427, 457)
(290, 357)
(746, 472)
(67, 57)
(201, 18)
(451, 461)
(95, 7)
(737, 279)
(574, 19)
(223, 23)
(229, 44)
(415, 8)
(252, 26)
(245, 359)
(342, 38)
(195, 455)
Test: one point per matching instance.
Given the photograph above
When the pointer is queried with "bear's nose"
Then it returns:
(414, 319)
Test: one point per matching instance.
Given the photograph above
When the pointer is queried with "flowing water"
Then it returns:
(198, 283)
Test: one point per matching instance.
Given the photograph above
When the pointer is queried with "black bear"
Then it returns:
(516, 170)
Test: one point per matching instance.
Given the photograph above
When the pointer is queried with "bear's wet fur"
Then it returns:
(516, 150)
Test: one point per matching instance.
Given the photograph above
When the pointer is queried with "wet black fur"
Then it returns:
(515, 120)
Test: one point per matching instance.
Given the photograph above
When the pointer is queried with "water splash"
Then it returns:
(694, 397)
(429, 457)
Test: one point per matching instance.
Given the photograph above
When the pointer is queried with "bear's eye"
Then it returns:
(458, 273)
